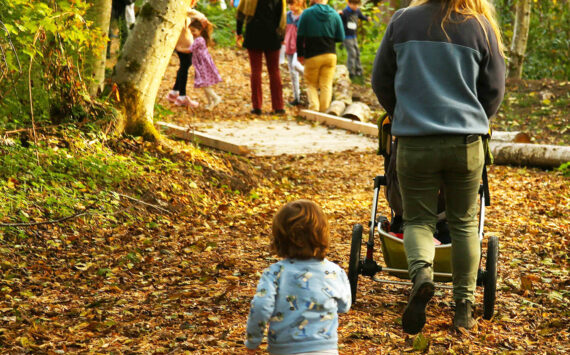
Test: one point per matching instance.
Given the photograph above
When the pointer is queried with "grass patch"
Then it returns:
(60, 176)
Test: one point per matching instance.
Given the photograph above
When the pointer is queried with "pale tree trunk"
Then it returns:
(543, 155)
(100, 14)
(342, 88)
(143, 61)
(520, 38)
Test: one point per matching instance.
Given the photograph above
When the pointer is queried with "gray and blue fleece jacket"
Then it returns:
(434, 85)
(300, 300)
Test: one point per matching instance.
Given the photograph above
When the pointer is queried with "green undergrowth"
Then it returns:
(81, 174)
(59, 177)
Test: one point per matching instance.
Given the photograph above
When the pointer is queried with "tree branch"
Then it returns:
(29, 224)
(144, 203)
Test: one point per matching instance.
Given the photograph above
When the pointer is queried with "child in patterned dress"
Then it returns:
(206, 74)
(300, 296)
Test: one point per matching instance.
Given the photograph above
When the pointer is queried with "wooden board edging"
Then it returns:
(208, 140)
(340, 122)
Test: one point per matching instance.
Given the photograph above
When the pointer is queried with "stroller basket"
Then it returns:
(395, 257)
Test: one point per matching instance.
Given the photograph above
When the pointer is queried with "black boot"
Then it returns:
(463, 315)
(414, 316)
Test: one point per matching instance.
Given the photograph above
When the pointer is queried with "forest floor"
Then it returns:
(175, 270)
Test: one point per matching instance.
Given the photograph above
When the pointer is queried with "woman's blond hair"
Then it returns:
(470, 8)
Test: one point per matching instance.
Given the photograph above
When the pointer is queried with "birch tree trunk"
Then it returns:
(520, 38)
(142, 64)
(100, 14)
(542, 155)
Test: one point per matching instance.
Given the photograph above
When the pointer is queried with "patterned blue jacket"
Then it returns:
(300, 300)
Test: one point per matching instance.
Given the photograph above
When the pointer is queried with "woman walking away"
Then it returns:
(300, 296)
(440, 73)
(206, 74)
(264, 30)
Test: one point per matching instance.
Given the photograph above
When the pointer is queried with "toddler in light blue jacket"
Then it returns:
(300, 296)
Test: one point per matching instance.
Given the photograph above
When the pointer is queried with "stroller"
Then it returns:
(392, 244)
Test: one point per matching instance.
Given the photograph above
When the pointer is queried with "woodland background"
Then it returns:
(113, 243)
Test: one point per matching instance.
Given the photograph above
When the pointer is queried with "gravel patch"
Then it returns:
(276, 137)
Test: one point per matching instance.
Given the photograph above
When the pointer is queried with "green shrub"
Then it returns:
(44, 43)
(565, 169)
(223, 20)
(58, 177)
(548, 46)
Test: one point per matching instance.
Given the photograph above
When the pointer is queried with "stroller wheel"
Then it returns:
(490, 281)
(354, 262)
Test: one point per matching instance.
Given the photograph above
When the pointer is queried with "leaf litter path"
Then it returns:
(181, 283)
(529, 213)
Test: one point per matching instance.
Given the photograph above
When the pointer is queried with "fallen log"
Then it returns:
(372, 130)
(336, 108)
(344, 123)
(357, 111)
(540, 155)
(515, 137)
(208, 140)
(342, 88)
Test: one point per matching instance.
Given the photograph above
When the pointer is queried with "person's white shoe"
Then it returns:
(172, 96)
(185, 101)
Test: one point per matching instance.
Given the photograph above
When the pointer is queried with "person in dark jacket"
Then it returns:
(265, 27)
(440, 74)
(319, 28)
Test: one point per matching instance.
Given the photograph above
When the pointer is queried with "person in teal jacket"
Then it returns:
(320, 27)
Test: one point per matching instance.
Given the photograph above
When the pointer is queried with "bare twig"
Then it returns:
(31, 97)
(12, 45)
(144, 203)
(63, 219)
(29, 129)
(5, 59)
(53, 221)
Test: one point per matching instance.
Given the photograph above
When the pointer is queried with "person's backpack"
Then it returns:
(384, 135)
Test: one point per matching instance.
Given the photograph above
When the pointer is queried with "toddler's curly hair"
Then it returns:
(300, 231)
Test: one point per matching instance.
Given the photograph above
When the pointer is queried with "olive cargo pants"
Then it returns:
(423, 165)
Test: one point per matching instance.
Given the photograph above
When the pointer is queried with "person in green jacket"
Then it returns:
(320, 27)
